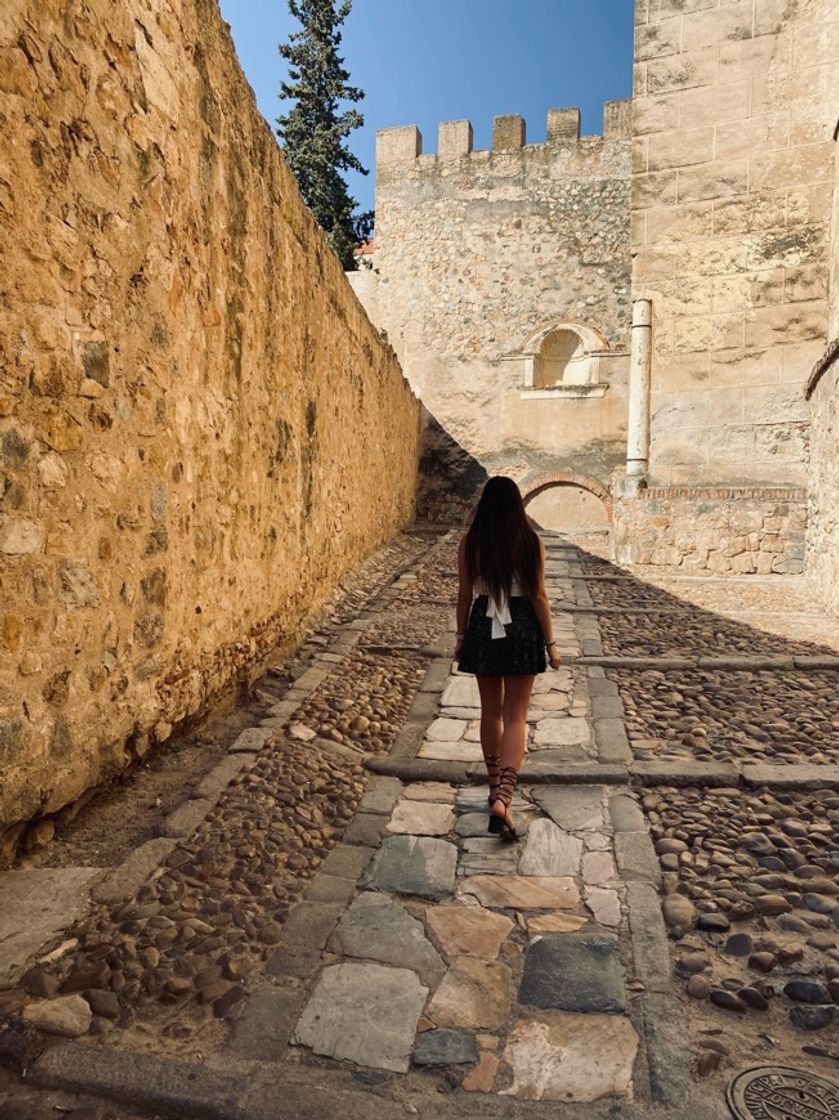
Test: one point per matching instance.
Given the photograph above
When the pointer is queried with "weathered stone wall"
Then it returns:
(200, 429)
(734, 106)
(714, 531)
(823, 395)
(477, 253)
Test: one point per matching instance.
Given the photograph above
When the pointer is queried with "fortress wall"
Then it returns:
(200, 430)
(475, 251)
(734, 108)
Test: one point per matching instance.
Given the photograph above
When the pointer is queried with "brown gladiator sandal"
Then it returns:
(493, 765)
(506, 788)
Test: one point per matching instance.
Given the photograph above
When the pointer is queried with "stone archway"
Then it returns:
(565, 501)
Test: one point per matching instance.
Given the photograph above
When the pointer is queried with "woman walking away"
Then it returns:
(502, 560)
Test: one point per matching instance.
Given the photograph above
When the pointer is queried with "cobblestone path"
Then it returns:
(327, 924)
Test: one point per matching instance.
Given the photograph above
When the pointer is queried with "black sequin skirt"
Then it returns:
(521, 653)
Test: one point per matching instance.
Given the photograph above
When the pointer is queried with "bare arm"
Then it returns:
(464, 595)
(542, 610)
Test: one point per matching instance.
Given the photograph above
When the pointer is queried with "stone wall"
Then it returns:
(823, 395)
(200, 429)
(478, 254)
(713, 531)
(734, 109)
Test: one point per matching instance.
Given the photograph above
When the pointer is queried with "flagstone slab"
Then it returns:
(569, 1057)
(555, 923)
(598, 867)
(574, 972)
(461, 692)
(573, 808)
(421, 865)
(446, 730)
(377, 928)
(473, 994)
(468, 930)
(473, 731)
(550, 851)
(421, 818)
(549, 702)
(364, 1013)
(461, 713)
(473, 824)
(556, 681)
(429, 791)
(461, 751)
(474, 798)
(445, 1048)
(570, 731)
(604, 905)
(480, 863)
(521, 892)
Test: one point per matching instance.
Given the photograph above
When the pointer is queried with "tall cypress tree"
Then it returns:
(314, 129)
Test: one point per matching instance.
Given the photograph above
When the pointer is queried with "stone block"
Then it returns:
(263, 1028)
(454, 139)
(409, 865)
(508, 132)
(398, 145)
(574, 972)
(563, 126)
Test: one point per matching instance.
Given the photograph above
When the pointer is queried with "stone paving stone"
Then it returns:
(216, 782)
(598, 868)
(626, 814)
(346, 861)
(548, 703)
(446, 730)
(568, 732)
(429, 791)
(305, 934)
(263, 1028)
(562, 680)
(472, 824)
(461, 751)
(604, 905)
(474, 799)
(69, 1016)
(420, 865)
(365, 829)
(381, 794)
(574, 808)
(473, 994)
(468, 930)
(330, 888)
(377, 928)
(445, 1048)
(550, 851)
(521, 892)
(567, 1057)
(363, 1013)
(461, 692)
(421, 818)
(123, 881)
(574, 972)
(252, 739)
(555, 923)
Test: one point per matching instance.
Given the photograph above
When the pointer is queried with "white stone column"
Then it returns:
(640, 362)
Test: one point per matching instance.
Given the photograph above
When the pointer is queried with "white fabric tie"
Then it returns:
(500, 615)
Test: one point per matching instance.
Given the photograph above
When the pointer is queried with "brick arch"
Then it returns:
(532, 486)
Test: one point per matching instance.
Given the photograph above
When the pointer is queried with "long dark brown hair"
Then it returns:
(500, 544)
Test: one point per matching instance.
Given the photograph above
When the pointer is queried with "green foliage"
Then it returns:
(313, 131)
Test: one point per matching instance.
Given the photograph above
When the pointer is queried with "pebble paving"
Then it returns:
(302, 910)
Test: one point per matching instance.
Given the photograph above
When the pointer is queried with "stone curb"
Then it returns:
(462, 773)
(256, 1090)
(770, 664)
(127, 877)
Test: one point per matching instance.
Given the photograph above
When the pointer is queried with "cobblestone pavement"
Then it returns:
(325, 921)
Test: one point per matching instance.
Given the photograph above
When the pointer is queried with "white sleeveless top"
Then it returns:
(499, 611)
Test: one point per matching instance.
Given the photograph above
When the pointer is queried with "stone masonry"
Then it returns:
(200, 430)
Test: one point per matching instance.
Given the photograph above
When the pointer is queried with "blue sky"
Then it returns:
(424, 61)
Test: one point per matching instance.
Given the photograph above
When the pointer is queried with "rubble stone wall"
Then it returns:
(200, 429)
(713, 531)
(733, 163)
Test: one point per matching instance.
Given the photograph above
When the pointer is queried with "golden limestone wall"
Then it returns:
(823, 393)
(734, 108)
(200, 430)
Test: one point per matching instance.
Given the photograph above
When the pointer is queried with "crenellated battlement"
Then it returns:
(509, 133)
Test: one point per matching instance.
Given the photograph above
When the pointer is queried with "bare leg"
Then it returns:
(514, 714)
(492, 726)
